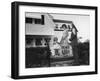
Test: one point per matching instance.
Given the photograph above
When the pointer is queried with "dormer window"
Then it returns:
(35, 20)
(28, 20)
(56, 26)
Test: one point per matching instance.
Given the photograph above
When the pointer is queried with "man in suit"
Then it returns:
(74, 44)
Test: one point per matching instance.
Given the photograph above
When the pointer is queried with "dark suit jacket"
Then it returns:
(73, 39)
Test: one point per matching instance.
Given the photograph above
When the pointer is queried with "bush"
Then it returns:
(83, 51)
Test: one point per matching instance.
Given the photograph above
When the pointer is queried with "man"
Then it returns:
(74, 44)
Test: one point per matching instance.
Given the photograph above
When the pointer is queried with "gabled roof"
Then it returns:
(61, 21)
(74, 27)
(65, 21)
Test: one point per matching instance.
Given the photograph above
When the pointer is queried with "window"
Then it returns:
(47, 40)
(40, 21)
(38, 41)
(37, 21)
(28, 40)
(56, 27)
(28, 20)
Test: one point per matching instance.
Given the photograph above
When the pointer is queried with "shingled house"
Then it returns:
(42, 28)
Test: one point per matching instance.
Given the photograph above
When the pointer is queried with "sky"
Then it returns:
(82, 23)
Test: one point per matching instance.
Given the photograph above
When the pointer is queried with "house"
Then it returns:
(39, 28)
(42, 28)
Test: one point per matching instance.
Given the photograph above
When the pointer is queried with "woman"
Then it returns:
(65, 41)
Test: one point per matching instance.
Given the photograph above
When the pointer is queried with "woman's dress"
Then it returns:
(66, 47)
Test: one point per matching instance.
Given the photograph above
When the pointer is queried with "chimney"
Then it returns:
(42, 19)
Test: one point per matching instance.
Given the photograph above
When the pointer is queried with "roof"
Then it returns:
(65, 21)
(61, 21)
(74, 27)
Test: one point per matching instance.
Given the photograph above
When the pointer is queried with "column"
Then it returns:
(33, 42)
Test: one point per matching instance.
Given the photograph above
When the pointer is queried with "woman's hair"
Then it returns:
(64, 26)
